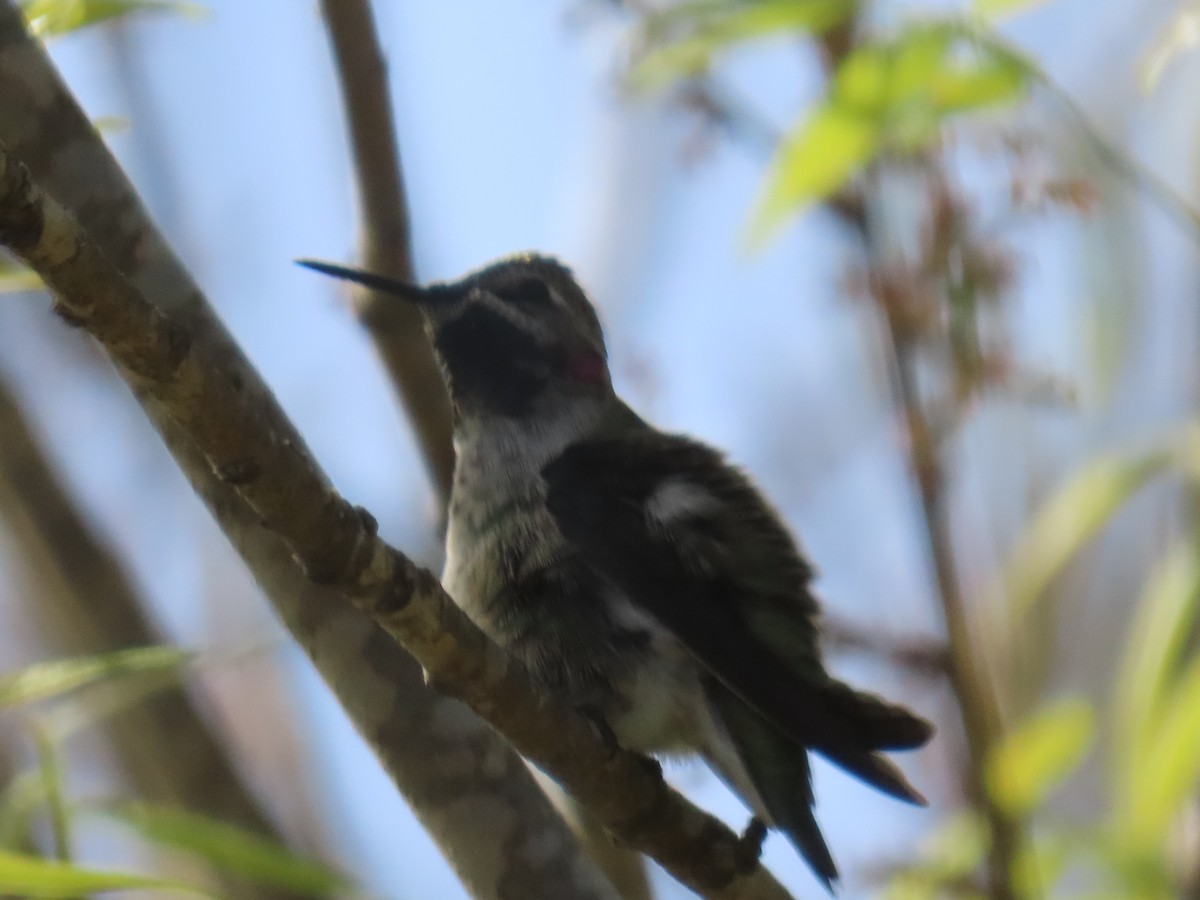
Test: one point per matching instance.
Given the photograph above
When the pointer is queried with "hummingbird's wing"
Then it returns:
(779, 774)
(690, 541)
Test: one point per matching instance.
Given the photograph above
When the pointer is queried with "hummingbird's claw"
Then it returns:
(751, 842)
(653, 766)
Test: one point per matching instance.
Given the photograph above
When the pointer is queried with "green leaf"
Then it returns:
(1070, 518)
(230, 848)
(1166, 613)
(42, 681)
(862, 82)
(17, 280)
(1034, 759)
(51, 18)
(711, 28)
(1041, 863)
(920, 55)
(30, 876)
(813, 161)
(988, 41)
(953, 851)
(111, 124)
(1166, 779)
(988, 83)
(807, 14)
(100, 702)
(993, 9)
(22, 796)
(887, 94)
(50, 768)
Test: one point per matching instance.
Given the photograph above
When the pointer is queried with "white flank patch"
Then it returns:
(678, 499)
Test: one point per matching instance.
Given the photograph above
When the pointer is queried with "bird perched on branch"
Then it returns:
(636, 574)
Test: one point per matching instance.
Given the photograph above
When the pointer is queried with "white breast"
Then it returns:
(498, 476)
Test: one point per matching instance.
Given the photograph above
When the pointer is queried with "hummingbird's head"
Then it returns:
(515, 338)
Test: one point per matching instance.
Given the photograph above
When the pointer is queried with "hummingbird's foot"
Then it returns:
(609, 737)
(751, 842)
(652, 765)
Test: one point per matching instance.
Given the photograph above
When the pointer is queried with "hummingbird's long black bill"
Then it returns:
(411, 292)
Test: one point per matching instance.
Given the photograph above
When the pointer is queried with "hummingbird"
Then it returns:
(635, 574)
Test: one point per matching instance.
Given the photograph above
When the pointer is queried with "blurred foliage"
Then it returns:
(1181, 34)
(995, 8)
(1035, 757)
(51, 18)
(886, 96)
(684, 38)
(228, 849)
(43, 793)
(15, 279)
(29, 876)
(893, 101)
(949, 857)
(52, 679)
(1078, 509)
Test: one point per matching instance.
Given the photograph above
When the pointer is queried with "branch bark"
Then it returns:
(244, 438)
(469, 790)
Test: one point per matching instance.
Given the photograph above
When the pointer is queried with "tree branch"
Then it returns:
(385, 245)
(245, 439)
(466, 786)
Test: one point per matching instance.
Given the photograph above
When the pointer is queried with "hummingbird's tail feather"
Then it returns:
(876, 771)
(770, 773)
(864, 724)
(876, 723)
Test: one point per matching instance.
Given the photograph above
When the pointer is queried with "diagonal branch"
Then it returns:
(240, 434)
(385, 243)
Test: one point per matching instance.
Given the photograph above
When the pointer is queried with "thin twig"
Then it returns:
(337, 546)
(924, 657)
(385, 241)
(973, 694)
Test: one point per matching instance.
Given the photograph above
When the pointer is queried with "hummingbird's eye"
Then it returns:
(529, 294)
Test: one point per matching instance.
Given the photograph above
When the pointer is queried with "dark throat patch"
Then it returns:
(493, 364)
